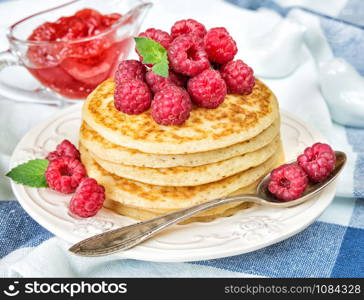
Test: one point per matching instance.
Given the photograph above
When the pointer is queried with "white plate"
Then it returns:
(246, 231)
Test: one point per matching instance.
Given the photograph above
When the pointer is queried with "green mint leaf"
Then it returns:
(161, 68)
(31, 173)
(151, 51)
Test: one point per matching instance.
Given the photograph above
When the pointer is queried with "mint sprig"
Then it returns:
(31, 173)
(153, 53)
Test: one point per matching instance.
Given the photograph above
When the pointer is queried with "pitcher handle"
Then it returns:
(39, 96)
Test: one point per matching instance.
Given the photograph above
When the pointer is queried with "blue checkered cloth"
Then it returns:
(333, 246)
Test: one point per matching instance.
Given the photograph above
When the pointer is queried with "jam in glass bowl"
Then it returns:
(72, 48)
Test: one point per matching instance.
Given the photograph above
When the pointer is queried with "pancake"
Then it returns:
(119, 154)
(205, 216)
(250, 189)
(238, 119)
(142, 215)
(191, 176)
(136, 194)
(226, 210)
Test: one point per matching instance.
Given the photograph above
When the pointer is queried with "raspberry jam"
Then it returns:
(81, 52)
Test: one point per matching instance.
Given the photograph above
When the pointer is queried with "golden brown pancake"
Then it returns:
(191, 176)
(237, 119)
(137, 194)
(118, 154)
(149, 170)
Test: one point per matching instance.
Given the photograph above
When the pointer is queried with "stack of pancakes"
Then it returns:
(149, 169)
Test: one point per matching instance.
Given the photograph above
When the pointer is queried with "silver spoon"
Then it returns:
(129, 236)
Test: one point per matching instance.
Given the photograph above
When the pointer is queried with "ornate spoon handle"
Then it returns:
(132, 235)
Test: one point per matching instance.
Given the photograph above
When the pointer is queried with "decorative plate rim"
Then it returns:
(149, 252)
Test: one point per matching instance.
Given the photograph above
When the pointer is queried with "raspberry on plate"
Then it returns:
(66, 148)
(219, 45)
(186, 27)
(132, 96)
(239, 77)
(318, 161)
(64, 174)
(157, 35)
(207, 89)
(88, 199)
(156, 82)
(130, 69)
(187, 56)
(288, 182)
(171, 106)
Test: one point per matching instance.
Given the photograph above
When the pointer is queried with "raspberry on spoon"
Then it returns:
(317, 161)
(288, 182)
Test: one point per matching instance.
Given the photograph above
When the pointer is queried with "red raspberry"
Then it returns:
(130, 69)
(238, 76)
(288, 182)
(317, 161)
(157, 35)
(88, 199)
(52, 155)
(64, 174)
(188, 26)
(187, 55)
(207, 89)
(171, 106)
(157, 83)
(132, 97)
(178, 79)
(66, 148)
(219, 45)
